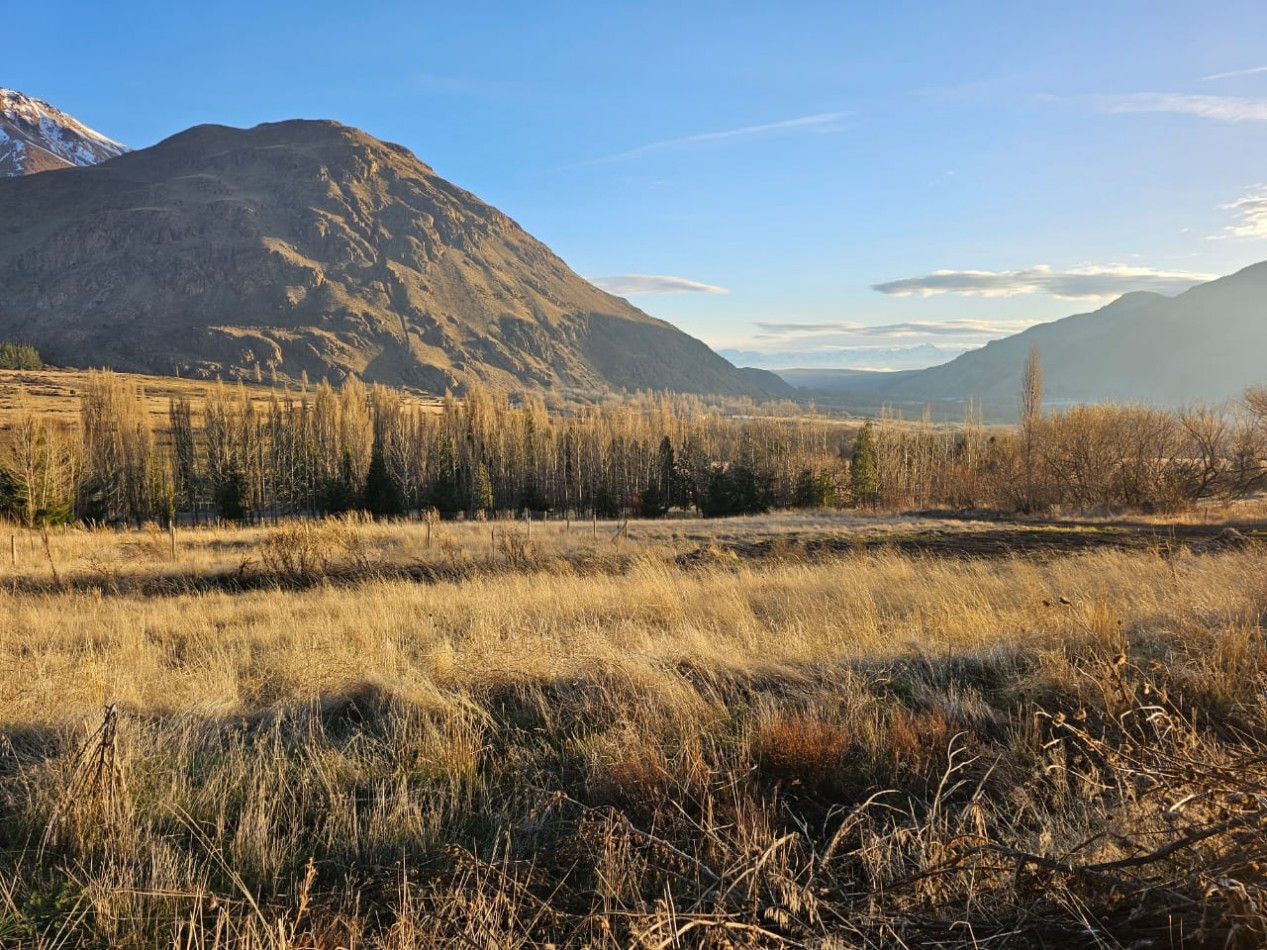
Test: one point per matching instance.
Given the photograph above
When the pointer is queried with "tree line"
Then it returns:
(238, 455)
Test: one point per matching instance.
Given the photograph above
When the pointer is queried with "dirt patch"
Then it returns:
(1047, 541)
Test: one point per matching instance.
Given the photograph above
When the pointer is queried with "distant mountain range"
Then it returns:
(37, 137)
(1207, 343)
(308, 246)
(877, 358)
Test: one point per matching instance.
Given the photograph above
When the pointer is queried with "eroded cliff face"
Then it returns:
(309, 246)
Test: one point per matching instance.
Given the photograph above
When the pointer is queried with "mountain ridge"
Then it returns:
(310, 246)
(1204, 344)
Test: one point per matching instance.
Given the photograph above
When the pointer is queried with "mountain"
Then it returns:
(1204, 344)
(308, 246)
(37, 137)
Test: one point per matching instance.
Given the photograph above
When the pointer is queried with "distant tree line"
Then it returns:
(239, 454)
(246, 455)
(1080, 458)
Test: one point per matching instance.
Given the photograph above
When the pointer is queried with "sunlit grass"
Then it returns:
(608, 746)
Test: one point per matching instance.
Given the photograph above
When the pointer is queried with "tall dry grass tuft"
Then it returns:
(93, 809)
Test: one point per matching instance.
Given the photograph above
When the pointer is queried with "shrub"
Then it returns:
(19, 356)
(737, 489)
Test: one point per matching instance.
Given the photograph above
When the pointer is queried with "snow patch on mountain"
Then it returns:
(36, 136)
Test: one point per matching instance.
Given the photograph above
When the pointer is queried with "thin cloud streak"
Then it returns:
(1220, 108)
(1074, 284)
(1251, 209)
(632, 285)
(1235, 73)
(820, 122)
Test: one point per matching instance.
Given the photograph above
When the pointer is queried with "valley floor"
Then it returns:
(794, 731)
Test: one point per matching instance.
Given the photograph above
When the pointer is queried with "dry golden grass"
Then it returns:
(597, 745)
(119, 559)
(352, 548)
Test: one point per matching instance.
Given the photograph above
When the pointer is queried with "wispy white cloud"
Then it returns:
(822, 122)
(1221, 108)
(1236, 73)
(631, 285)
(1251, 210)
(1073, 284)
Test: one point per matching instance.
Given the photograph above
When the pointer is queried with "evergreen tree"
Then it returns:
(737, 489)
(864, 479)
(481, 490)
(815, 489)
(532, 498)
(606, 505)
(339, 493)
(382, 496)
(653, 503)
(444, 494)
(230, 496)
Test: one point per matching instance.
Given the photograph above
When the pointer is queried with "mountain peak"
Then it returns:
(36, 136)
(307, 246)
(293, 141)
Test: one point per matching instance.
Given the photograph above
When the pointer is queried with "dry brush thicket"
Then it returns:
(610, 745)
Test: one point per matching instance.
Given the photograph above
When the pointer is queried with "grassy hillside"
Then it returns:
(54, 394)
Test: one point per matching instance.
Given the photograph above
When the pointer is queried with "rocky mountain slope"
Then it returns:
(37, 137)
(308, 246)
(1204, 344)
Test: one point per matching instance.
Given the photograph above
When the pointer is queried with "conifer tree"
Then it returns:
(863, 470)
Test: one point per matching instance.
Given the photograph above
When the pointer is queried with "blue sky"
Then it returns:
(834, 183)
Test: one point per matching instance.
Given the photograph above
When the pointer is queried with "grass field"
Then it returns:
(692, 735)
(54, 394)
